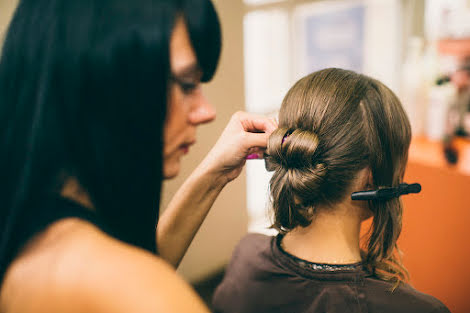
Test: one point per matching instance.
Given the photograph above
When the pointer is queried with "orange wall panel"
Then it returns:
(436, 234)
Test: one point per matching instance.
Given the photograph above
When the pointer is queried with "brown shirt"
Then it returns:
(262, 277)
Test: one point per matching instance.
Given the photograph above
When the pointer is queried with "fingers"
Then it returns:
(256, 131)
(258, 140)
(256, 123)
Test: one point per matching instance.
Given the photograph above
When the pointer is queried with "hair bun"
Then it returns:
(289, 149)
(294, 156)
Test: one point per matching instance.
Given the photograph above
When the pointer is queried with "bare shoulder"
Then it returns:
(88, 271)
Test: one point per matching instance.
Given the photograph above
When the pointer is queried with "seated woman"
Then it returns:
(339, 132)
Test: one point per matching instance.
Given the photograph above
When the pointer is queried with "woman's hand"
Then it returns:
(245, 134)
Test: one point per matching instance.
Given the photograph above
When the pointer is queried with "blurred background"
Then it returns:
(419, 48)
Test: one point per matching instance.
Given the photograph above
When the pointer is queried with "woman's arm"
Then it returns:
(245, 134)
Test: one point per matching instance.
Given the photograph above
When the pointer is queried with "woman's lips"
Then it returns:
(185, 147)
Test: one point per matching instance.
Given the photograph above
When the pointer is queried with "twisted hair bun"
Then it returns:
(294, 156)
(295, 149)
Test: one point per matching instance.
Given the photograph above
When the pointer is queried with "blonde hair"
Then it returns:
(338, 122)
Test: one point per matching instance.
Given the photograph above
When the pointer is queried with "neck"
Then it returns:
(332, 237)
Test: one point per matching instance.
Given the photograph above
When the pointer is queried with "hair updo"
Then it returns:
(332, 124)
(295, 158)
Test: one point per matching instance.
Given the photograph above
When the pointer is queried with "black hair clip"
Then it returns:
(386, 193)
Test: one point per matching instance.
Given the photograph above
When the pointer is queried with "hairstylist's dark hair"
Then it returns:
(339, 122)
(83, 93)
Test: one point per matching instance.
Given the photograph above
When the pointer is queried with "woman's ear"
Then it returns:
(370, 179)
(365, 180)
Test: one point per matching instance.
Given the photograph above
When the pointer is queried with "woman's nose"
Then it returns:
(203, 111)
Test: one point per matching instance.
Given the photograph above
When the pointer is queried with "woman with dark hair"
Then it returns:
(99, 100)
(339, 133)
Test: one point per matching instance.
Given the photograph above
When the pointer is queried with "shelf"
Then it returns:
(455, 47)
(431, 153)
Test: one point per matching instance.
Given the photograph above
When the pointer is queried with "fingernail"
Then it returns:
(252, 156)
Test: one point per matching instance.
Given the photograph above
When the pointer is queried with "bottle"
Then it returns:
(441, 97)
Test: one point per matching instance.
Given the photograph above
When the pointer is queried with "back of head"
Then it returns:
(332, 124)
(83, 94)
